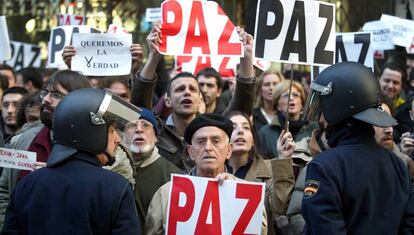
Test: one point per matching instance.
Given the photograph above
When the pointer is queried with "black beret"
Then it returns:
(208, 119)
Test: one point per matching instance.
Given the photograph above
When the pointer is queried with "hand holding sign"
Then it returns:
(246, 62)
(68, 52)
(137, 57)
(153, 41)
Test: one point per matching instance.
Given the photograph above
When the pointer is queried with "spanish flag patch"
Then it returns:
(311, 188)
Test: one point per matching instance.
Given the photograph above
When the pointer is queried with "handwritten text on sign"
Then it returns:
(199, 205)
(300, 32)
(102, 54)
(17, 159)
(197, 28)
(402, 30)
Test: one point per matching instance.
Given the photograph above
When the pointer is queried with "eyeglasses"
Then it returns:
(145, 125)
(53, 94)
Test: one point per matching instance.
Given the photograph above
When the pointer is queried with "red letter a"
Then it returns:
(191, 39)
(211, 200)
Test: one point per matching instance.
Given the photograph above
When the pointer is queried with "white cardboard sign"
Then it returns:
(153, 14)
(67, 19)
(59, 38)
(17, 159)
(197, 28)
(24, 55)
(381, 38)
(5, 51)
(198, 205)
(299, 32)
(402, 30)
(355, 47)
(102, 54)
(226, 66)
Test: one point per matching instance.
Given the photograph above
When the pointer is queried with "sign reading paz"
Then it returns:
(67, 19)
(102, 54)
(199, 205)
(61, 37)
(224, 65)
(24, 55)
(300, 32)
(17, 159)
(197, 28)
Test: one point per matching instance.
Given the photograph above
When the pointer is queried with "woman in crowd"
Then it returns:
(300, 129)
(246, 164)
(263, 112)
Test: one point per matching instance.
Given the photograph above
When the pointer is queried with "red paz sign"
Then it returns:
(199, 205)
(299, 32)
(197, 28)
(226, 66)
(67, 19)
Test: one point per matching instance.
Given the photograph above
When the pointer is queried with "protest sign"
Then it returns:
(298, 32)
(59, 38)
(17, 159)
(355, 47)
(261, 64)
(185, 30)
(226, 66)
(116, 29)
(199, 205)
(5, 51)
(102, 54)
(410, 50)
(153, 14)
(67, 19)
(381, 34)
(24, 55)
(402, 30)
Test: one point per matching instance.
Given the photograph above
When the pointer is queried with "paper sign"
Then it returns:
(261, 64)
(355, 47)
(402, 30)
(197, 28)
(381, 38)
(5, 52)
(153, 14)
(226, 66)
(298, 32)
(67, 19)
(17, 159)
(59, 38)
(116, 29)
(102, 54)
(24, 55)
(198, 205)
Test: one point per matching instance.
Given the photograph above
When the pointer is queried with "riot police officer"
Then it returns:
(356, 187)
(73, 194)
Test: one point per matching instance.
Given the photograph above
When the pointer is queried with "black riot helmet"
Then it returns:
(81, 121)
(345, 90)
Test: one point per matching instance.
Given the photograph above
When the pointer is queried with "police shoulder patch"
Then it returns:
(311, 188)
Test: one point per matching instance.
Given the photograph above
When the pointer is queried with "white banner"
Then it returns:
(102, 54)
(59, 38)
(402, 30)
(24, 55)
(153, 14)
(305, 34)
(198, 205)
(17, 159)
(5, 52)
(67, 19)
(381, 38)
(355, 47)
(197, 28)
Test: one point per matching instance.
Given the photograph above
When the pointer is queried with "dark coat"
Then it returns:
(357, 187)
(76, 196)
(269, 134)
(170, 144)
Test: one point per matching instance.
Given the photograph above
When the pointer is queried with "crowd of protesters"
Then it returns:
(195, 124)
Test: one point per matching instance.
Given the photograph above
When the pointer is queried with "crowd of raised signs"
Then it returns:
(272, 142)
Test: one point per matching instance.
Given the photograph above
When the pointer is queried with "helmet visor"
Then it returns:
(114, 109)
(313, 108)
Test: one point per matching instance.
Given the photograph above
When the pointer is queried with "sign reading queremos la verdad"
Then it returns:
(102, 54)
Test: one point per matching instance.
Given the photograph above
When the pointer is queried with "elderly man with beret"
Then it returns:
(208, 139)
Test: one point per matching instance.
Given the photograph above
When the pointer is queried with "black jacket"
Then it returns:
(76, 196)
(357, 187)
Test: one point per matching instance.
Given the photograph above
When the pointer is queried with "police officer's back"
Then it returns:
(356, 187)
(74, 194)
